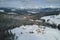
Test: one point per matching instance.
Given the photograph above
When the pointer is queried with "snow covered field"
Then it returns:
(52, 19)
(35, 32)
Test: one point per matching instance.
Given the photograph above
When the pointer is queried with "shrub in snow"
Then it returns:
(53, 25)
(59, 26)
(48, 20)
(31, 32)
(16, 37)
(43, 20)
(47, 24)
(21, 33)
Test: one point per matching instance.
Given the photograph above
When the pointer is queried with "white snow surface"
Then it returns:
(47, 34)
(52, 19)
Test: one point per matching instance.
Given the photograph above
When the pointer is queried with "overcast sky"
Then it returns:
(29, 3)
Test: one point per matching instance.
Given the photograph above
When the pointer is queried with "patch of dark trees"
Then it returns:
(6, 35)
(52, 25)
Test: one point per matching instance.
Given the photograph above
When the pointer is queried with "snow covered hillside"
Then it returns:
(35, 32)
(52, 19)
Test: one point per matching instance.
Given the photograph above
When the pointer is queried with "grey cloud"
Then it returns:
(29, 3)
(54, 1)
